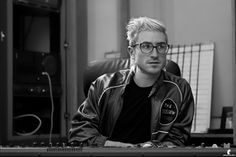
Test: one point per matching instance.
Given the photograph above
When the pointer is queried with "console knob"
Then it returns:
(35, 144)
(214, 146)
(50, 144)
(203, 145)
(42, 144)
(58, 144)
(63, 144)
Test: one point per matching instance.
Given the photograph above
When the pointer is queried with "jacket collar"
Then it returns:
(156, 85)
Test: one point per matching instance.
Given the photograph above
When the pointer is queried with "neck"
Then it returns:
(145, 80)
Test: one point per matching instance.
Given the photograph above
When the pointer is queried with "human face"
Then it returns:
(152, 63)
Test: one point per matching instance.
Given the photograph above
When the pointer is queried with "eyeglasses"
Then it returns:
(147, 47)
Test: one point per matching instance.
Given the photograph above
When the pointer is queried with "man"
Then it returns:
(144, 106)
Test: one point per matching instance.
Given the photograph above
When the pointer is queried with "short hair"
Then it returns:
(137, 25)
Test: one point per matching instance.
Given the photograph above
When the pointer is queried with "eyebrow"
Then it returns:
(153, 43)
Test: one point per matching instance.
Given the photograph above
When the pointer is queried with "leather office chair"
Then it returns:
(99, 67)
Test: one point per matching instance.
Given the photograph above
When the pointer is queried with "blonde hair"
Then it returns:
(137, 25)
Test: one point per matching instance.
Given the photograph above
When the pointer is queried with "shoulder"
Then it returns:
(113, 79)
(178, 84)
(177, 81)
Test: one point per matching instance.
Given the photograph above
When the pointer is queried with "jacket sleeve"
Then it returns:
(85, 123)
(179, 133)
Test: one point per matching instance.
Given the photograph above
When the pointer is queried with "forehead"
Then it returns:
(151, 36)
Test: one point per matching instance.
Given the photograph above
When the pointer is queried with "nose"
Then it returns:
(155, 53)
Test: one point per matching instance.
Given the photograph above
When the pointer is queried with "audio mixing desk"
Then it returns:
(115, 152)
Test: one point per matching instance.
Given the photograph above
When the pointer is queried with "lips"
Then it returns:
(154, 62)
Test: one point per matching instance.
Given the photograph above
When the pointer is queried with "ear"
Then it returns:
(130, 50)
(132, 54)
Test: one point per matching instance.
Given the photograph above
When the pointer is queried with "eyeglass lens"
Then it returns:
(147, 47)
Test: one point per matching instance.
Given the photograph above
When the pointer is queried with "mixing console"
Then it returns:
(93, 152)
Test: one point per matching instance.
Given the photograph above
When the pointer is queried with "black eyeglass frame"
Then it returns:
(153, 46)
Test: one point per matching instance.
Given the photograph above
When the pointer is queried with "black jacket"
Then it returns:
(172, 109)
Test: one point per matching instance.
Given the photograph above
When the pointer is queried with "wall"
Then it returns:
(103, 31)
(149, 8)
(192, 21)
(210, 20)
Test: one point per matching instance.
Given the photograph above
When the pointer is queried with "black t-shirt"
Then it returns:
(134, 122)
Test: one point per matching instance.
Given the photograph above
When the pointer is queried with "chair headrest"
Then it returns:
(173, 68)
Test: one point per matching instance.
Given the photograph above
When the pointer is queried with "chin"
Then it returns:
(150, 70)
(153, 71)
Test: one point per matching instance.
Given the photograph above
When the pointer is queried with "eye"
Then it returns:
(146, 45)
(162, 46)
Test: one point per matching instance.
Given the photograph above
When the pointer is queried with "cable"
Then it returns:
(29, 115)
(52, 103)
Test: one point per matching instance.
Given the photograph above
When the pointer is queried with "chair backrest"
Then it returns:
(100, 67)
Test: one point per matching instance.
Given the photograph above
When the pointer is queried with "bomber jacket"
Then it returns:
(172, 111)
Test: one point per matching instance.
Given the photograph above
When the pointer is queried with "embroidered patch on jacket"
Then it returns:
(169, 112)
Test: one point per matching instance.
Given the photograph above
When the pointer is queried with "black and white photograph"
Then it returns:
(117, 78)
